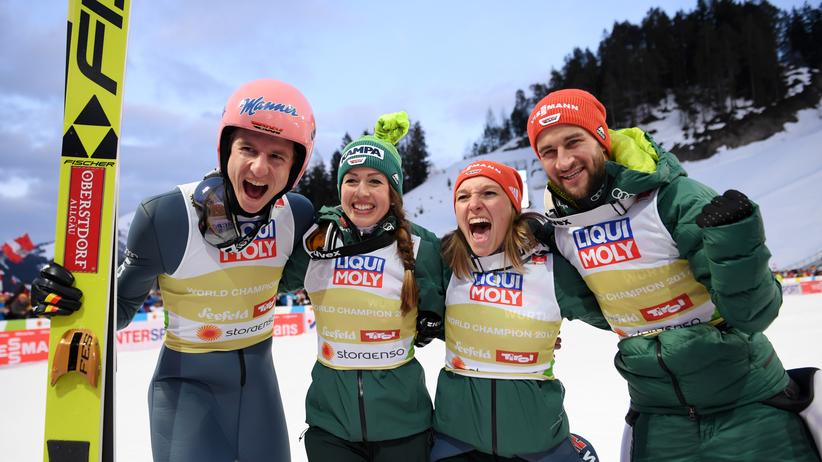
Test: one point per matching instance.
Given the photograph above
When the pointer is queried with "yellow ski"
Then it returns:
(80, 388)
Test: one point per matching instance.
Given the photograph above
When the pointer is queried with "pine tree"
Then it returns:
(505, 131)
(802, 35)
(414, 152)
(318, 187)
(519, 116)
(334, 167)
(580, 71)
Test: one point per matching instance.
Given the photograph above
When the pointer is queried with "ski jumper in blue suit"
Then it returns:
(214, 395)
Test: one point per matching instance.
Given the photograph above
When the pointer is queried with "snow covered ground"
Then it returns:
(596, 398)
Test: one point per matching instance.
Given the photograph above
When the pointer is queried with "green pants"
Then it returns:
(755, 432)
(321, 446)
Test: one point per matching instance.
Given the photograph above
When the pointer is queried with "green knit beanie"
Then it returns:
(377, 151)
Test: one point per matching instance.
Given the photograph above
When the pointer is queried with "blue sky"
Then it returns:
(445, 63)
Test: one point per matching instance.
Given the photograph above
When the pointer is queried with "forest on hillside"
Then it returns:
(710, 60)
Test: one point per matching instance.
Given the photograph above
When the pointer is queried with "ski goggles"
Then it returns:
(217, 224)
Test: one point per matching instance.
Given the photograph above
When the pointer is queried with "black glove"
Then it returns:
(541, 228)
(429, 327)
(728, 208)
(52, 293)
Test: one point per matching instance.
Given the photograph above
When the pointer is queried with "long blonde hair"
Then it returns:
(405, 249)
(518, 240)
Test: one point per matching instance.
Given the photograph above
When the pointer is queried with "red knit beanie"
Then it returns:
(505, 176)
(570, 107)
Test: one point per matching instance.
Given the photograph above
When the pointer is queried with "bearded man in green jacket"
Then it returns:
(681, 274)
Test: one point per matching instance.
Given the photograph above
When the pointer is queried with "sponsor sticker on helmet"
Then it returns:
(266, 127)
(251, 106)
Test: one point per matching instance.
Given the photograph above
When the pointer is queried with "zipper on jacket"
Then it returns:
(242, 367)
(494, 416)
(362, 406)
(677, 390)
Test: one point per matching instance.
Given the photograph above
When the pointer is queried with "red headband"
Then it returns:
(508, 179)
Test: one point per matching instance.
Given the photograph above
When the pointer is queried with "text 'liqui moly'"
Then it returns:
(504, 288)
(606, 243)
(359, 270)
(263, 246)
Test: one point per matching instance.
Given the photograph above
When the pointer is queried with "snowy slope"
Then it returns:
(782, 174)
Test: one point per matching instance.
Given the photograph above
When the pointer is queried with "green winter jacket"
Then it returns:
(515, 417)
(700, 369)
(378, 405)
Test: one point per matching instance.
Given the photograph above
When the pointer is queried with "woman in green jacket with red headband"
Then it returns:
(497, 397)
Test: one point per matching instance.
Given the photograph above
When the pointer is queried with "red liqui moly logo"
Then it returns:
(265, 307)
(606, 243)
(667, 309)
(379, 335)
(85, 205)
(263, 246)
(359, 270)
(501, 287)
(517, 357)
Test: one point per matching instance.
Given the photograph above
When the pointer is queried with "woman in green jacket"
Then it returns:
(497, 397)
(376, 282)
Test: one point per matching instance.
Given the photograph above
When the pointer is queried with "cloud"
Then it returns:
(34, 39)
(445, 64)
(15, 187)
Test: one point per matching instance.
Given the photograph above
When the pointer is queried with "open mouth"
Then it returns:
(254, 191)
(480, 229)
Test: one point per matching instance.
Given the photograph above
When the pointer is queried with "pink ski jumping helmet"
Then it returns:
(274, 108)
